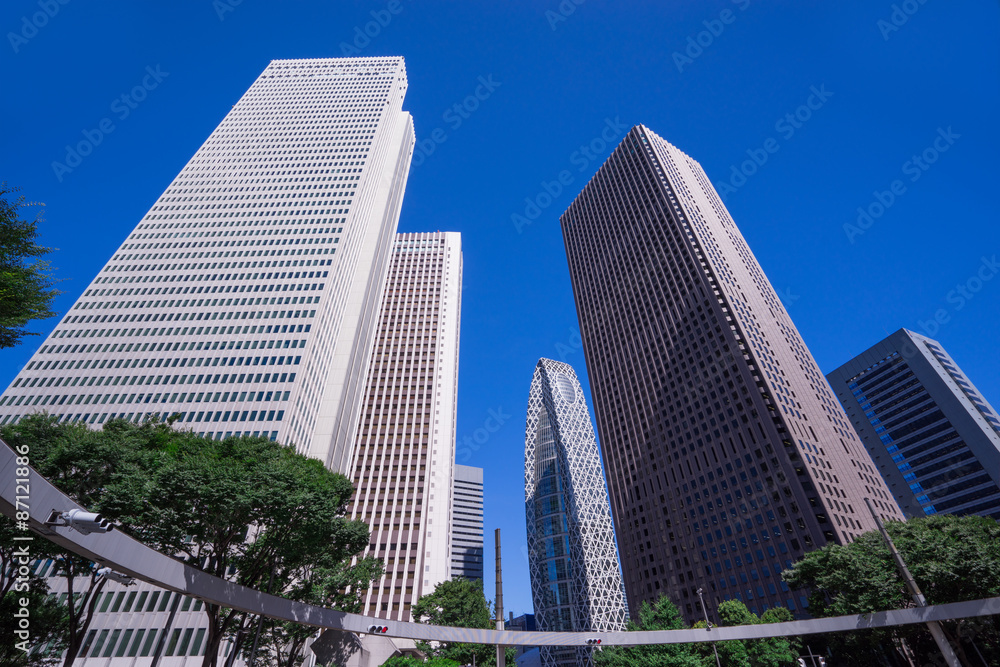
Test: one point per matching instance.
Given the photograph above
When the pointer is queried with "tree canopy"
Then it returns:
(25, 282)
(459, 603)
(243, 505)
(663, 615)
(951, 558)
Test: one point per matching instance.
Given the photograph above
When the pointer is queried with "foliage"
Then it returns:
(951, 558)
(772, 652)
(47, 617)
(25, 286)
(405, 661)
(66, 452)
(459, 603)
(661, 615)
(243, 505)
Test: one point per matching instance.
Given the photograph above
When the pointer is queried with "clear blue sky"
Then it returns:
(556, 83)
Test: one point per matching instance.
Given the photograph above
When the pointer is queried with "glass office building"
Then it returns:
(576, 582)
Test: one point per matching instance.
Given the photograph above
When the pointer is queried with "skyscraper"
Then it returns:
(405, 453)
(932, 435)
(576, 584)
(246, 298)
(467, 523)
(727, 455)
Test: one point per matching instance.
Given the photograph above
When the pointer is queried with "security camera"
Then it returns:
(86, 522)
(122, 579)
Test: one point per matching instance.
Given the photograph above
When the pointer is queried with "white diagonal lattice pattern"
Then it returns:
(576, 582)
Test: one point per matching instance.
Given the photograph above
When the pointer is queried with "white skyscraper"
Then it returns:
(246, 299)
(404, 465)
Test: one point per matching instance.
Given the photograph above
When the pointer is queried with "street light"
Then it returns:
(708, 627)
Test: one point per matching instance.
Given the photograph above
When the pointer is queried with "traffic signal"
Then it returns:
(593, 642)
(378, 629)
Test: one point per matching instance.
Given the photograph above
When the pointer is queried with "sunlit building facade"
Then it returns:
(246, 302)
(404, 461)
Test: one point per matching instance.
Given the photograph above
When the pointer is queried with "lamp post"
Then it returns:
(935, 628)
(708, 626)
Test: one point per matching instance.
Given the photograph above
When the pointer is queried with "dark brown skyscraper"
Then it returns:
(727, 455)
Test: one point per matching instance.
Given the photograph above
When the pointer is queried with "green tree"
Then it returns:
(243, 505)
(771, 652)
(661, 615)
(951, 558)
(80, 462)
(25, 282)
(458, 603)
(406, 661)
(48, 618)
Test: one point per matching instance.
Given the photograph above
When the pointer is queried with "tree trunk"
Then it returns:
(73, 643)
(214, 637)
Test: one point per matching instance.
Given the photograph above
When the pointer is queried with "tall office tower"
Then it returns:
(576, 584)
(405, 455)
(726, 453)
(246, 298)
(467, 523)
(932, 435)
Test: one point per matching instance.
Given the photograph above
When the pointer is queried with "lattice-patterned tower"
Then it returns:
(576, 584)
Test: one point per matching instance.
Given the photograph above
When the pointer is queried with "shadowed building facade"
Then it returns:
(467, 523)
(576, 583)
(727, 455)
(933, 436)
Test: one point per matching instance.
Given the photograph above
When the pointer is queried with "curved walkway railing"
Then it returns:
(35, 498)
